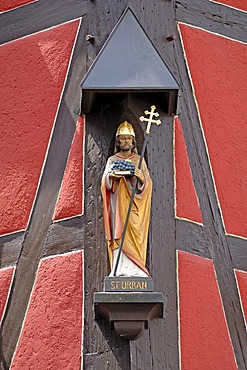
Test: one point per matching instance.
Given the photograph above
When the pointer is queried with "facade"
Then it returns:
(53, 253)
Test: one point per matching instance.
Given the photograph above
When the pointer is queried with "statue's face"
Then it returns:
(125, 142)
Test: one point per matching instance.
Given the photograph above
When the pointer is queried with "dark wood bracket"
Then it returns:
(129, 313)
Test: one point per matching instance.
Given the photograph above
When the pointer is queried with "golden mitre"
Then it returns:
(125, 128)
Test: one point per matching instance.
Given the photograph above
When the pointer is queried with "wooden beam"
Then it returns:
(38, 16)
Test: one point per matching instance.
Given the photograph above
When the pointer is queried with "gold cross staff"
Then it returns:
(150, 120)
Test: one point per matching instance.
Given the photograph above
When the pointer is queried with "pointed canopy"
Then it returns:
(127, 62)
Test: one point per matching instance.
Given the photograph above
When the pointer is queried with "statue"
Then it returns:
(117, 185)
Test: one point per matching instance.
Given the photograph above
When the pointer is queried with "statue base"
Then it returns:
(129, 304)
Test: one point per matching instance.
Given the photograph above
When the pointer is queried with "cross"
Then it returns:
(150, 120)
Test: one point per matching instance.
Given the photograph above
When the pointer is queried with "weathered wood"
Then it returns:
(159, 22)
(213, 17)
(104, 361)
(99, 339)
(162, 249)
(238, 250)
(162, 244)
(39, 16)
(10, 247)
(141, 352)
(105, 15)
(65, 236)
(191, 238)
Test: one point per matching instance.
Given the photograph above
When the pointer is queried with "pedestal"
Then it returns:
(128, 304)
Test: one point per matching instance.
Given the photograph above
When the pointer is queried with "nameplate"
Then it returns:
(128, 284)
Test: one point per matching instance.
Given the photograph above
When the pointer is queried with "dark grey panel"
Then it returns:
(128, 60)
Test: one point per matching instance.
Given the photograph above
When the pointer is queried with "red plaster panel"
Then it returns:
(12, 4)
(52, 333)
(242, 285)
(70, 198)
(187, 205)
(33, 71)
(204, 338)
(239, 4)
(5, 282)
(218, 69)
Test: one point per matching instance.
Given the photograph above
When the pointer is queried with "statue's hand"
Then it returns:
(139, 175)
(113, 175)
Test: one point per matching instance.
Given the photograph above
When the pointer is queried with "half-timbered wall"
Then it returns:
(52, 248)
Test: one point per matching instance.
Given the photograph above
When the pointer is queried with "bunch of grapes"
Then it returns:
(122, 165)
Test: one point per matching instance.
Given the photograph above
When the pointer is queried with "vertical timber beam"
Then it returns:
(103, 349)
(158, 347)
